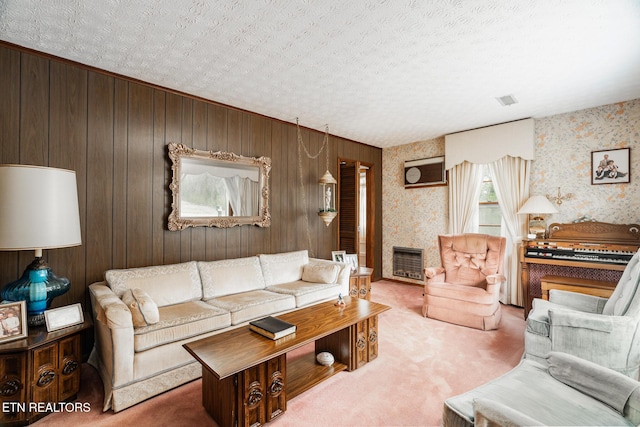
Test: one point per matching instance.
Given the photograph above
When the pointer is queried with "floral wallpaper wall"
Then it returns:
(411, 217)
(564, 143)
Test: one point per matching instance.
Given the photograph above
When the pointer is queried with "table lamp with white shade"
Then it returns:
(537, 206)
(38, 210)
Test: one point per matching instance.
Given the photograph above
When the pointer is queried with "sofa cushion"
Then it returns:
(283, 268)
(180, 321)
(307, 293)
(230, 276)
(457, 293)
(143, 310)
(253, 304)
(165, 284)
(320, 273)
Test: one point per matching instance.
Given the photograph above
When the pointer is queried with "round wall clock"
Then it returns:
(412, 175)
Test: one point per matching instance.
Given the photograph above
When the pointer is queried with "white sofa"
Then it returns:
(143, 316)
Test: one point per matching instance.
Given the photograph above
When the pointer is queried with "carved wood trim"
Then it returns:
(594, 231)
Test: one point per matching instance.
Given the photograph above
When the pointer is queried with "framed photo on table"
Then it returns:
(338, 256)
(58, 318)
(13, 321)
(611, 166)
(352, 259)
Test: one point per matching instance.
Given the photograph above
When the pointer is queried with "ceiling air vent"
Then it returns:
(507, 100)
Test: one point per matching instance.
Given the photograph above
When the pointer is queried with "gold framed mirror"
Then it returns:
(217, 189)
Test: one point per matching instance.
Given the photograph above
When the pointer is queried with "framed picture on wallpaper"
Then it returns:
(611, 166)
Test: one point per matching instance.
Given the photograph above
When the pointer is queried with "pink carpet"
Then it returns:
(421, 362)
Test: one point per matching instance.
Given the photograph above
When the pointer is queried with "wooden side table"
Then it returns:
(41, 369)
(572, 284)
(360, 283)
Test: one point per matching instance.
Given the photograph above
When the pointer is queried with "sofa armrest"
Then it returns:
(113, 334)
(496, 279)
(577, 301)
(494, 283)
(491, 413)
(603, 384)
(434, 274)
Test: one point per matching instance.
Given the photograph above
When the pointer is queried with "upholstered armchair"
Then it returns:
(604, 331)
(466, 289)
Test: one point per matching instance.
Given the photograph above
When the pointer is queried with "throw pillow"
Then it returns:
(143, 310)
(317, 273)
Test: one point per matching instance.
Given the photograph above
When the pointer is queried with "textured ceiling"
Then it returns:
(380, 72)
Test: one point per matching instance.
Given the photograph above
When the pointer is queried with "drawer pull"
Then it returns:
(277, 386)
(255, 396)
(10, 387)
(46, 378)
(69, 367)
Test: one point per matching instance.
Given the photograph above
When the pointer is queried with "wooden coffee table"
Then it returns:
(246, 380)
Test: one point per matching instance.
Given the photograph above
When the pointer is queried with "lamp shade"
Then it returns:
(537, 205)
(38, 208)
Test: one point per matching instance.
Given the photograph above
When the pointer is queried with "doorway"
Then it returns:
(356, 210)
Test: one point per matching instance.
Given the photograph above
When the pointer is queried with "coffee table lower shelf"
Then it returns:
(304, 373)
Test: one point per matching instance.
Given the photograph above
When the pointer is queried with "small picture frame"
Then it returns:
(63, 317)
(13, 321)
(352, 259)
(338, 256)
(611, 166)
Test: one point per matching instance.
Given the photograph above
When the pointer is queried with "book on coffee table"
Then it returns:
(272, 327)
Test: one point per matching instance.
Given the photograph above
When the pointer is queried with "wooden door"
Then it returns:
(349, 207)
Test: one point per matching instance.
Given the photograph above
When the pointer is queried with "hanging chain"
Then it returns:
(325, 143)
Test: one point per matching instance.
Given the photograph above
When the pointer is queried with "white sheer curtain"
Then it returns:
(465, 180)
(243, 195)
(251, 199)
(510, 177)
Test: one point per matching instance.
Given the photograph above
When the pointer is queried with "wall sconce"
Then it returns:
(558, 199)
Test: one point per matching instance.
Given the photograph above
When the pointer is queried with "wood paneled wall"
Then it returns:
(113, 132)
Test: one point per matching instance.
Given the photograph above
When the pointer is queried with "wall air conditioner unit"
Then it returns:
(425, 172)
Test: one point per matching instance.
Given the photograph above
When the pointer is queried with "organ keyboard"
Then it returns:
(588, 250)
(577, 251)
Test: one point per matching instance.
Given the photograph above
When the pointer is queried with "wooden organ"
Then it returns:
(583, 250)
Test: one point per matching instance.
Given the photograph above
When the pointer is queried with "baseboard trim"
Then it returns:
(404, 282)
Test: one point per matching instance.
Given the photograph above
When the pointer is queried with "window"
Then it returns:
(490, 218)
(203, 195)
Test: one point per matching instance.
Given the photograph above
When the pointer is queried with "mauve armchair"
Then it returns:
(466, 289)
(603, 331)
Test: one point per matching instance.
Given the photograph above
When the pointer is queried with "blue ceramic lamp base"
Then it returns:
(38, 286)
